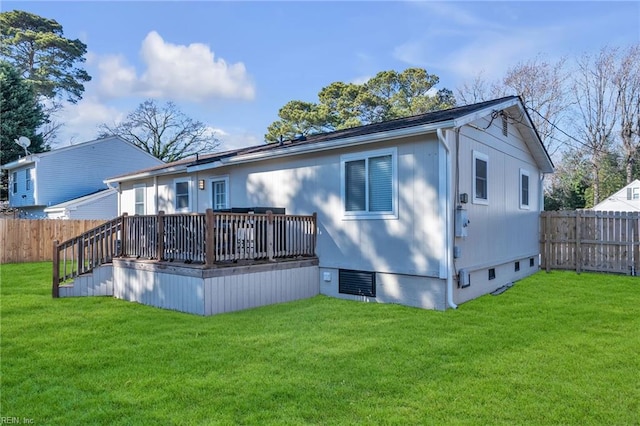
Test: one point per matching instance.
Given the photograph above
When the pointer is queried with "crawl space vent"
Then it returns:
(360, 283)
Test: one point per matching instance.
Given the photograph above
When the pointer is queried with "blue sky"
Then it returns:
(233, 65)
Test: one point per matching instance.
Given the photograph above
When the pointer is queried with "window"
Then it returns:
(369, 184)
(219, 193)
(633, 193)
(139, 194)
(492, 274)
(14, 182)
(524, 189)
(480, 178)
(516, 267)
(27, 179)
(532, 262)
(182, 200)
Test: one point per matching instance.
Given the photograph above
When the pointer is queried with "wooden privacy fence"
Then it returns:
(29, 240)
(586, 240)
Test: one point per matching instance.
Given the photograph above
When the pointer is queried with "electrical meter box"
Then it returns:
(461, 220)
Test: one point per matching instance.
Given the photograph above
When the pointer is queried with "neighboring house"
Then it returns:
(102, 204)
(427, 211)
(625, 200)
(42, 180)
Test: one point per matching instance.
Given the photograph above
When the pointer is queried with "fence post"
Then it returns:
(578, 241)
(270, 234)
(123, 239)
(55, 289)
(160, 236)
(547, 243)
(210, 238)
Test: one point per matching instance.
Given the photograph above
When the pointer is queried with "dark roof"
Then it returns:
(400, 123)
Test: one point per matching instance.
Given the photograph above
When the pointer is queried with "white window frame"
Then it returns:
(189, 194)
(366, 155)
(635, 193)
(483, 157)
(27, 179)
(14, 182)
(144, 198)
(526, 173)
(212, 182)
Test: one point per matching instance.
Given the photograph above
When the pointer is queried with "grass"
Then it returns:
(556, 348)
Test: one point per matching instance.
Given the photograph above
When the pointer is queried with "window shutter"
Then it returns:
(380, 184)
(355, 186)
(629, 194)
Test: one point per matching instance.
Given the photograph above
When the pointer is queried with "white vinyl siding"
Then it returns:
(480, 178)
(369, 184)
(524, 189)
(140, 199)
(220, 193)
(182, 195)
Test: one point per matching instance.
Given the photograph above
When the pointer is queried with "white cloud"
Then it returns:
(81, 120)
(176, 72)
(117, 79)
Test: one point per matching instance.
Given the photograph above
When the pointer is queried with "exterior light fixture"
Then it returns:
(201, 184)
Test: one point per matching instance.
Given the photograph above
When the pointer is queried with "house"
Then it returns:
(428, 211)
(102, 204)
(42, 180)
(625, 200)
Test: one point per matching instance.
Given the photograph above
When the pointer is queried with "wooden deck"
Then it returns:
(202, 264)
(198, 289)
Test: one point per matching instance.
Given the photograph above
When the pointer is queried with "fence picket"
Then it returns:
(585, 240)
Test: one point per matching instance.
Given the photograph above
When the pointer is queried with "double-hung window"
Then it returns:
(524, 189)
(220, 193)
(480, 178)
(27, 179)
(14, 182)
(182, 195)
(140, 198)
(369, 184)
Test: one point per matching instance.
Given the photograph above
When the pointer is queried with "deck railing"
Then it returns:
(209, 239)
(79, 255)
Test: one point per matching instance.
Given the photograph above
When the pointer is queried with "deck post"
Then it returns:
(270, 234)
(55, 289)
(160, 236)
(315, 233)
(210, 240)
(123, 239)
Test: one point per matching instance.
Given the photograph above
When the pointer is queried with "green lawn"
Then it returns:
(556, 348)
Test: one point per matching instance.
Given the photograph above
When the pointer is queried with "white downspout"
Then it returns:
(449, 222)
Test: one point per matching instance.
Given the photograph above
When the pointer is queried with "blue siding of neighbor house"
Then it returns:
(74, 171)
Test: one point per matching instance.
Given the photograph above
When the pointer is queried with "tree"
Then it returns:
(20, 115)
(627, 85)
(341, 105)
(539, 83)
(163, 131)
(595, 97)
(37, 48)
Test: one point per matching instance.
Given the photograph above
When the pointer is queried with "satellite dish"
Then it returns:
(24, 142)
